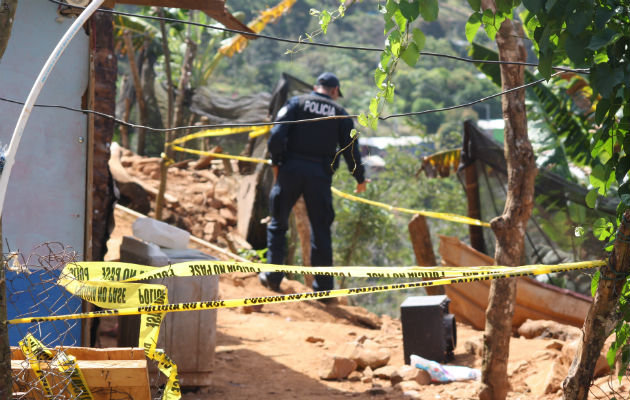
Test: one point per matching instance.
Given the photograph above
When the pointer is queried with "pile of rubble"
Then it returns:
(364, 360)
(368, 361)
(200, 194)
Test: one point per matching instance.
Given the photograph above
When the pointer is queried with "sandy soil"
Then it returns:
(264, 354)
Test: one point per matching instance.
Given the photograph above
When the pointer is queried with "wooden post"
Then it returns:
(472, 195)
(474, 203)
(304, 232)
(422, 247)
(601, 316)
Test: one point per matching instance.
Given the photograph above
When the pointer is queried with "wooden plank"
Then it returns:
(534, 300)
(103, 377)
(89, 353)
(423, 248)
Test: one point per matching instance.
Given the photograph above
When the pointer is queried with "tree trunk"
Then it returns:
(509, 228)
(184, 80)
(601, 317)
(168, 137)
(7, 15)
(423, 248)
(137, 83)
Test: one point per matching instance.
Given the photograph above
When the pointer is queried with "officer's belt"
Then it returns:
(325, 160)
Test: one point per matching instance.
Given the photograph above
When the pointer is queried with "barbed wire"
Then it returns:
(301, 121)
(317, 44)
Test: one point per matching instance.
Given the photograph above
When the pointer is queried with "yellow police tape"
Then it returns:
(69, 367)
(93, 282)
(220, 155)
(431, 214)
(102, 285)
(34, 352)
(111, 285)
(254, 131)
(445, 216)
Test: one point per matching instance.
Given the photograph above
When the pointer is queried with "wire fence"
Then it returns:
(45, 355)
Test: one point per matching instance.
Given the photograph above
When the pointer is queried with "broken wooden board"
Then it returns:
(534, 300)
(120, 371)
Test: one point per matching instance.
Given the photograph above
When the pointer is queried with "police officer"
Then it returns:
(304, 157)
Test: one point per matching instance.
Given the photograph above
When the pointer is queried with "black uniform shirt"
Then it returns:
(318, 140)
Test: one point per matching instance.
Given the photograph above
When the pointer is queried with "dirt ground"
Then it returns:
(265, 354)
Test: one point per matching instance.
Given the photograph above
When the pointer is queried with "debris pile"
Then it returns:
(200, 195)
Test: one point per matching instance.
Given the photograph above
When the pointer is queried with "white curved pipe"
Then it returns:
(35, 90)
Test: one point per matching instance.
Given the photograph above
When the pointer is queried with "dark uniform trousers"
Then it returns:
(298, 176)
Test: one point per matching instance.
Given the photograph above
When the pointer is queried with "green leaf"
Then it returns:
(385, 57)
(472, 26)
(491, 23)
(324, 20)
(391, 7)
(594, 283)
(362, 119)
(604, 78)
(601, 177)
(591, 198)
(389, 25)
(611, 355)
(575, 49)
(602, 109)
(579, 20)
(602, 229)
(373, 106)
(504, 6)
(379, 77)
(545, 62)
(429, 9)
(418, 38)
(625, 199)
(534, 6)
(389, 93)
(475, 4)
(410, 9)
(353, 133)
(531, 23)
(401, 21)
(411, 54)
(373, 122)
(602, 16)
(603, 38)
(622, 169)
(394, 42)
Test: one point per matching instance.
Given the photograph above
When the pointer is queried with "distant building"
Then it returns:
(494, 127)
(374, 149)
